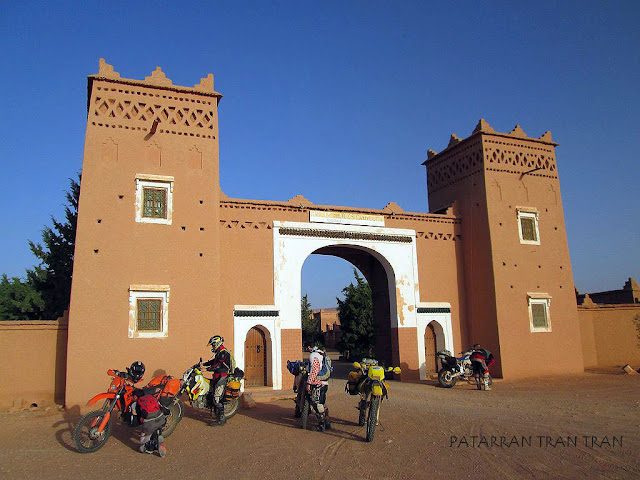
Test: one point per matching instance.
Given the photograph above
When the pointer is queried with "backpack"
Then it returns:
(325, 370)
(147, 405)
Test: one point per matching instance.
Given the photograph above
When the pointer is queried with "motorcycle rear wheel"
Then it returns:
(372, 419)
(446, 379)
(305, 414)
(231, 408)
(86, 437)
(173, 418)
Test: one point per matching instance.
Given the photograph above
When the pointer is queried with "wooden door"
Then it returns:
(255, 358)
(430, 350)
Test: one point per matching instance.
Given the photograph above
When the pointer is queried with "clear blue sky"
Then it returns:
(339, 101)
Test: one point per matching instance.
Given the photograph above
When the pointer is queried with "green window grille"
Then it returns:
(528, 226)
(155, 202)
(149, 315)
(539, 314)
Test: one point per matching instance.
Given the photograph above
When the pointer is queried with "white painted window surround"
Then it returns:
(540, 303)
(143, 181)
(530, 214)
(140, 292)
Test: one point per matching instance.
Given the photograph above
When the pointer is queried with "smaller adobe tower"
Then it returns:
(520, 301)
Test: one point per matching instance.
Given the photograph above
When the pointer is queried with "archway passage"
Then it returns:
(380, 283)
(430, 363)
(255, 358)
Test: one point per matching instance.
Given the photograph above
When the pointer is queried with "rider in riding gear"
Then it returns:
(148, 414)
(318, 388)
(221, 366)
(480, 358)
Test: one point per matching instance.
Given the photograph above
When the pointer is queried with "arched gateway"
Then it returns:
(164, 259)
(387, 258)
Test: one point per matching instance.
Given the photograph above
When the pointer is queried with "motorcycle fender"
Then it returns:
(376, 390)
(101, 396)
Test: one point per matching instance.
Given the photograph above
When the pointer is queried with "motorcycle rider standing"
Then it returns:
(317, 387)
(221, 365)
(481, 358)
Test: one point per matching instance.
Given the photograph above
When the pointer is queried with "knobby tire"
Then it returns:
(372, 419)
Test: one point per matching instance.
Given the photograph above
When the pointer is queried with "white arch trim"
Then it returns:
(242, 325)
(396, 252)
(442, 326)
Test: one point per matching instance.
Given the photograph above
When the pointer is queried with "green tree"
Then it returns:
(52, 277)
(356, 319)
(19, 300)
(310, 327)
(46, 292)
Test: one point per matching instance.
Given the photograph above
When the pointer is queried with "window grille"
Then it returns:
(528, 226)
(149, 314)
(539, 315)
(155, 203)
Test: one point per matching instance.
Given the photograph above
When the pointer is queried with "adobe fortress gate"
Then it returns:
(164, 259)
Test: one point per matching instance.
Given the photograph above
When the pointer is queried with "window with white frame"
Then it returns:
(539, 320)
(148, 311)
(154, 199)
(528, 226)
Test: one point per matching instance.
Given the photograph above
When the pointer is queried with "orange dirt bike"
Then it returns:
(94, 428)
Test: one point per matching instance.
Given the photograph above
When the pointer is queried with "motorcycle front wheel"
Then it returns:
(173, 418)
(446, 379)
(372, 419)
(305, 413)
(362, 414)
(86, 436)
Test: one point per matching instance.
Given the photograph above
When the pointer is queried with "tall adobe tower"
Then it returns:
(147, 227)
(520, 300)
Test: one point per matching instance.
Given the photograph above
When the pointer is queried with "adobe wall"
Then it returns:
(34, 362)
(609, 335)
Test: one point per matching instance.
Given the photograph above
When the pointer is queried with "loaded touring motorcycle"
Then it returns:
(198, 386)
(367, 380)
(454, 369)
(94, 428)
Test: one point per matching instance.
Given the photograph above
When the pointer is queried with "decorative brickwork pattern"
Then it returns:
(137, 109)
(452, 168)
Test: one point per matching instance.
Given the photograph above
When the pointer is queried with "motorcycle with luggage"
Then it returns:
(368, 380)
(456, 368)
(197, 387)
(300, 370)
(94, 428)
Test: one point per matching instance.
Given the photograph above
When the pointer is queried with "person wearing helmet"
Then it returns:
(482, 359)
(317, 384)
(221, 365)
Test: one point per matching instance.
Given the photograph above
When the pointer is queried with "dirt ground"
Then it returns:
(579, 426)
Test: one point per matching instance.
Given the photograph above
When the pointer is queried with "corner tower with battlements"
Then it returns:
(520, 300)
(147, 241)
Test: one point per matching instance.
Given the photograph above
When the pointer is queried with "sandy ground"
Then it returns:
(562, 427)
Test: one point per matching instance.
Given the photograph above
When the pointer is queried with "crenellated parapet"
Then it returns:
(487, 149)
(153, 105)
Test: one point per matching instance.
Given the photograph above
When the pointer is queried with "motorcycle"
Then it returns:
(300, 370)
(94, 428)
(197, 387)
(454, 369)
(368, 381)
